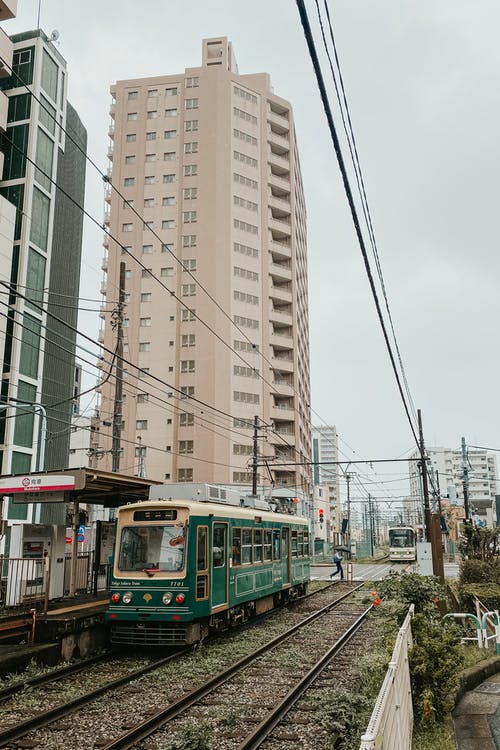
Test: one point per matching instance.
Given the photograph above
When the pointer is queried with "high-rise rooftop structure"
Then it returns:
(210, 224)
(43, 147)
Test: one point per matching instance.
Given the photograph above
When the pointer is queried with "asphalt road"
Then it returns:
(368, 572)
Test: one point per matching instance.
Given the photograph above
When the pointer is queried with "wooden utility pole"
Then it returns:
(117, 411)
(425, 486)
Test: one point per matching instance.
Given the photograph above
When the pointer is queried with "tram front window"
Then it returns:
(158, 549)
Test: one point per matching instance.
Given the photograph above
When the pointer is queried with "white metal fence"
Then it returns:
(391, 723)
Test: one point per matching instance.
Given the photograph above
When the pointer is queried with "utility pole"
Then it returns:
(425, 486)
(117, 322)
(348, 478)
(254, 462)
(465, 480)
(372, 533)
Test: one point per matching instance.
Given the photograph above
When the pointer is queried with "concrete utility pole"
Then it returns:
(348, 478)
(117, 412)
(465, 479)
(425, 486)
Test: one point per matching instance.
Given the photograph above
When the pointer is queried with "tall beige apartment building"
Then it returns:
(210, 222)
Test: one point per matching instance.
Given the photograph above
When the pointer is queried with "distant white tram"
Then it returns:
(402, 544)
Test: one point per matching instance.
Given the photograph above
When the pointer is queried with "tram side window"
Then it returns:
(294, 544)
(219, 545)
(306, 543)
(202, 563)
(246, 546)
(257, 545)
(276, 544)
(236, 546)
(268, 545)
(300, 544)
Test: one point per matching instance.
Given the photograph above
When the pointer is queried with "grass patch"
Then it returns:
(437, 737)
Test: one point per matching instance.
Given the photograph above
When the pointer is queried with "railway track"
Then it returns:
(314, 630)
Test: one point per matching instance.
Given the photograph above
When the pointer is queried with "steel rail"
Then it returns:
(16, 731)
(157, 720)
(264, 729)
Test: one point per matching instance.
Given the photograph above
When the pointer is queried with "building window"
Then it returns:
(245, 226)
(128, 273)
(128, 181)
(188, 315)
(188, 340)
(167, 247)
(144, 346)
(244, 273)
(192, 103)
(245, 372)
(142, 398)
(244, 203)
(151, 136)
(130, 159)
(171, 112)
(191, 148)
(242, 136)
(131, 137)
(132, 95)
(148, 225)
(186, 419)
(168, 224)
(192, 82)
(244, 159)
(132, 116)
(190, 193)
(185, 475)
(239, 320)
(244, 116)
(145, 322)
(189, 240)
(169, 156)
(247, 398)
(147, 249)
(170, 133)
(149, 179)
(141, 424)
(146, 297)
(150, 157)
(246, 181)
(171, 91)
(168, 178)
(188, 290)
(245, 95)
(149, 202)
(146, 273)
(250, 299)
(252, 252)
(187, 365)
(190, 170)
(128, 204)
(189, 217)
(185, 446)
(166, 272)
(189, 264)
(152, 114)
(127, 227)
(190, 126)
(143, 372)
(187, 391)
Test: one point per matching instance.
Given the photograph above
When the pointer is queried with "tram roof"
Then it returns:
(221, 510)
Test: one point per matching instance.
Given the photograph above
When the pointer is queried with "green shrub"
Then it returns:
(480, 571)
(411, 588)
(192, 737)
(487, 593)
(345, 716)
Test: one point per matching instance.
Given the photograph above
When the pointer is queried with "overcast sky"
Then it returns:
(422, 83)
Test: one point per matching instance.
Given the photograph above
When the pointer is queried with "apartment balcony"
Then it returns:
(104, 288)
(110, 153)
(280, 271)
(279, 165)
(112, 109)
(280, 122)
(109, 172)
(277, 141)
(280, 207)
(281, 294)
(107, 216)
(282, 387)
(282, 414)
(278, 183)
(283, 433)
(6, 50)
(100, 336)
(280, 229)
(4, 106)
(111, 130)
(281, 315)
(104, 263)
(282, 364)
(280, 250)
(102, 311)
(281, 340)
(105, 241)
(8, 9)
(108, 190)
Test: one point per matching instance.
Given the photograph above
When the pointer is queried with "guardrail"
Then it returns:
(391, 722)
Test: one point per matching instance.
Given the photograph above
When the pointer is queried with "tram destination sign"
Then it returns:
(38, 488)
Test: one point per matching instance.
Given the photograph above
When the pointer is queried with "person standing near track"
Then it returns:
(337, 559)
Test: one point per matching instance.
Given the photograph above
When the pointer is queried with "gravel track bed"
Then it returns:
(108, 717)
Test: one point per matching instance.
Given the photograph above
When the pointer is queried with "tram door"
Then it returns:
(285, 554)
(219, 564)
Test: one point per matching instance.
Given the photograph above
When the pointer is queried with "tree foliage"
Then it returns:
(479, 543)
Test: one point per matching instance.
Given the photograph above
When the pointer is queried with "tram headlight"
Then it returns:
(127, 597)
(166, 598)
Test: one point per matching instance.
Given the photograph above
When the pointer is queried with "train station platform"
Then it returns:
(71, 628)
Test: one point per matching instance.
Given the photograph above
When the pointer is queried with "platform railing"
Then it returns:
(22, 583)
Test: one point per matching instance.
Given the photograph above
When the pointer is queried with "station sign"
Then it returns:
(38, 488)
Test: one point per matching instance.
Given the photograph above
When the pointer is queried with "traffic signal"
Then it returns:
(321, 515)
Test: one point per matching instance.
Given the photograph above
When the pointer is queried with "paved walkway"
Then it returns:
(477, 717)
